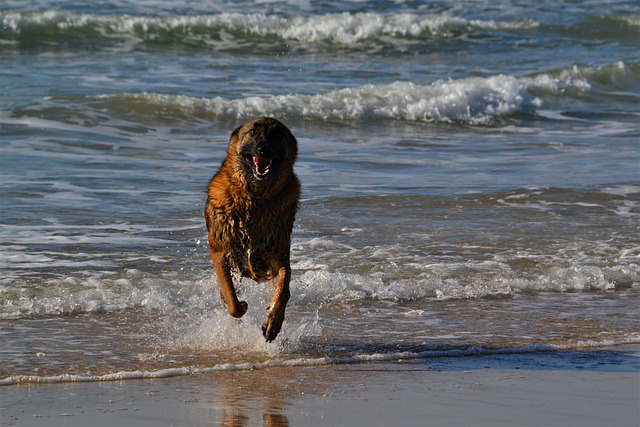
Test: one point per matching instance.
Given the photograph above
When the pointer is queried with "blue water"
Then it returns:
(470, 171)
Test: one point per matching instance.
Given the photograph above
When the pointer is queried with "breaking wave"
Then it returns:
(106, 292)
(472, 100)
(217, 29)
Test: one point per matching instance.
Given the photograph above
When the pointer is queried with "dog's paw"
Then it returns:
(269, 334)
(239, 310)
(272, 324)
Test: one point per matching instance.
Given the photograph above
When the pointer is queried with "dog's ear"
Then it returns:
(235, 133)
(292, 147)
(232, 149)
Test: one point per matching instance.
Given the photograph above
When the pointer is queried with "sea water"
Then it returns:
(470, 172)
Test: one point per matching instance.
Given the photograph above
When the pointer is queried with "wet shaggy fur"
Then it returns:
(252, 203)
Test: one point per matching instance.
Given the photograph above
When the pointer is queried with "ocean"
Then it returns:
(470, 173)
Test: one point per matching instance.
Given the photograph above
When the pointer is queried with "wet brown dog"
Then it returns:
(250, 211)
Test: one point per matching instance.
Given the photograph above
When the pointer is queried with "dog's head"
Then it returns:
(264, 149)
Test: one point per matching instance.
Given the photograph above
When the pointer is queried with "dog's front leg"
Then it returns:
(235, 307)
(275, 315)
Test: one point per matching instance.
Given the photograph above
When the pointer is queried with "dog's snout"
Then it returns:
(263, 149)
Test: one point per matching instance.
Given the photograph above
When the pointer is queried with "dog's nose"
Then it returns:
(263, 149)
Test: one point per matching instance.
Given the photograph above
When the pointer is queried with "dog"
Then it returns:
(250, 210)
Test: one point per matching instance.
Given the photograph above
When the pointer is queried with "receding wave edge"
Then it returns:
(318, 361)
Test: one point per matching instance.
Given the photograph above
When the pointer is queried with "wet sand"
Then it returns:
(599, 387)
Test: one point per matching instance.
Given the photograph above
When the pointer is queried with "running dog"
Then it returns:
(251, 206)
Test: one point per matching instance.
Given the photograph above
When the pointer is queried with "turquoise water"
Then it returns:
(471, 180)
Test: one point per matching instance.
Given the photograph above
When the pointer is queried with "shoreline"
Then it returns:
(595, 387)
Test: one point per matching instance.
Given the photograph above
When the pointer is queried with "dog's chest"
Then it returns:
(253, 235)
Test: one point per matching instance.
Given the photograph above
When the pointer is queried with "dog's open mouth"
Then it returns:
(261, 167)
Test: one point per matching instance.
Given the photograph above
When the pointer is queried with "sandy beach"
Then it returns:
(599, 387)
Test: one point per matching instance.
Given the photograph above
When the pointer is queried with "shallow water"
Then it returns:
(471, 180)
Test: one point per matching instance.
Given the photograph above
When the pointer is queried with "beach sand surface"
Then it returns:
(598, 387)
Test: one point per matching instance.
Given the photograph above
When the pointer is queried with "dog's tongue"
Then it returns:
(262, 165)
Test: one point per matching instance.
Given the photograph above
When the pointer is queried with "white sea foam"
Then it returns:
(630, 20)
(99, 291)
(623, 190)
(475, 100)
(315, 361)
(467, 280)
(345, 28)
(216, 330)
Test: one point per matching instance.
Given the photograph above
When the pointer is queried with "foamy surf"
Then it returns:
(472, 100)
(344, 28)
(317, 361)
(167, 292)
